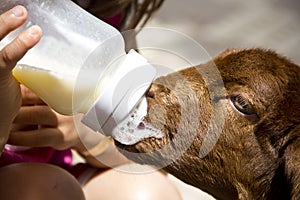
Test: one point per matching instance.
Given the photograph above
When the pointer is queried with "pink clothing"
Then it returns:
(114, 21)
(12, 155)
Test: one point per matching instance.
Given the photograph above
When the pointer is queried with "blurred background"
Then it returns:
(217, 25)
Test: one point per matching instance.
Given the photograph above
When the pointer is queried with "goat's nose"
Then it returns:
(151, 92)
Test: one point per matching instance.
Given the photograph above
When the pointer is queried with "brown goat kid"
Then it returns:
(257, 153)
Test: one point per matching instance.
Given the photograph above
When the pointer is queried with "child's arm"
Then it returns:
(10, 96)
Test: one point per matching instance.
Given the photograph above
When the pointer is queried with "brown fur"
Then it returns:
(257, 155)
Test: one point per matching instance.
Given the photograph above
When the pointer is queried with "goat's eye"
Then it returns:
(242, 105)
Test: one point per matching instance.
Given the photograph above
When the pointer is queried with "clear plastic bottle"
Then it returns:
(80, 64)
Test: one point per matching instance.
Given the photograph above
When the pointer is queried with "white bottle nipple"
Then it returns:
(121, 94)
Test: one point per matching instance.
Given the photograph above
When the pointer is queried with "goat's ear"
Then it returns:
(292, 163)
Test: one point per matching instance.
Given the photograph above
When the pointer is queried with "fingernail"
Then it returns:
(18, 11)
(34, 30)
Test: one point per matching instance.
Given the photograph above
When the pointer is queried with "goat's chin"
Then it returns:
(147, 145)
(151, 151)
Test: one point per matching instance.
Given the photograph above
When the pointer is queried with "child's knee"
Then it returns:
(37, 181)
(114, 184)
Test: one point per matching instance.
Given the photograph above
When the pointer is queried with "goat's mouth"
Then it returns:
(134, 129)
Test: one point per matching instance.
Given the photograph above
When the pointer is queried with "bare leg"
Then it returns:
(29, 181)
(113, 184)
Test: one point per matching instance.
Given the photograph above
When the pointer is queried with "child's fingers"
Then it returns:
(29, 97)
(12, 19)
(37, 138)
(36, 115)
(14, 51)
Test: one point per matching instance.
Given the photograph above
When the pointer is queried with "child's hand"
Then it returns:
(10, 96)
(37, 125)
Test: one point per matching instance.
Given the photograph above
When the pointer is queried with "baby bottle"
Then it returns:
(80, 64)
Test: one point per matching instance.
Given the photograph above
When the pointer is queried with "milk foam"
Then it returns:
(133, 130)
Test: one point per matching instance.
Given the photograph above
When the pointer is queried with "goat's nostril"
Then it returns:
(151, 93)
(154, 89)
